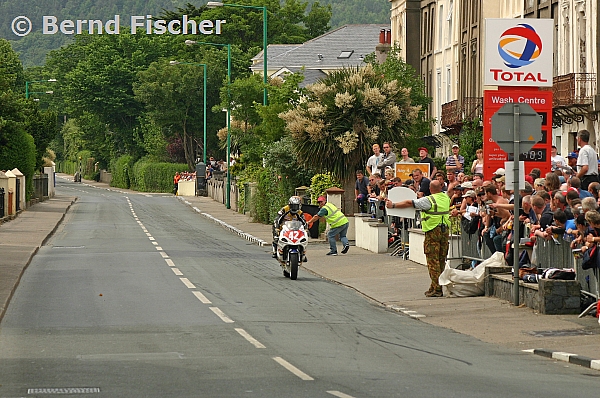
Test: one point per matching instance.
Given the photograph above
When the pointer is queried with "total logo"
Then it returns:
(529, 44)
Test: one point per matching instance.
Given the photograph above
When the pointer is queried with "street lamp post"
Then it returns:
(27, 84)
(214, 4)
(204, 99)
(228, 189)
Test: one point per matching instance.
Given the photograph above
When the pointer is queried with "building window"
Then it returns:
(449, 19)
(448, 84)
(440, 28)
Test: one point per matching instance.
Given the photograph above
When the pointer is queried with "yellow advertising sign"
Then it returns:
(403, 170)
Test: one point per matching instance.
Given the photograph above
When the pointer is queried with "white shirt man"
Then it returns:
(587, 160)
(374, 160)
(558, 162)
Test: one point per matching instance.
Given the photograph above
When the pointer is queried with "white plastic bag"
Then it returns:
(459, 283)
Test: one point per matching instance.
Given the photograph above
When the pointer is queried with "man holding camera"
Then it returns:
(435, 222)
(496, 217)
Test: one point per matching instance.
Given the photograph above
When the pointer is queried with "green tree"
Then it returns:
(317, 20)
(470, 140)
(17, 147)
(172, 95)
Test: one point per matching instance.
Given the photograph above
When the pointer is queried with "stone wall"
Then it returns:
(549, 296)
(559, 297)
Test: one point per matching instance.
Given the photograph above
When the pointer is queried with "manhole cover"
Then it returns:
(561, 333)
(68, 390)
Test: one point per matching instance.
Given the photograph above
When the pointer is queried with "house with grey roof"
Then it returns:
(340, 48)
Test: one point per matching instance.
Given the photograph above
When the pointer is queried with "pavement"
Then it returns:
(388, 280)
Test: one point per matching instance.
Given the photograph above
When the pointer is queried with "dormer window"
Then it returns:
(345, 54)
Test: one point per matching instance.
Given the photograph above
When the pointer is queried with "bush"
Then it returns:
(321, 182)
(121, 170)
(150, 176)
(271, 196)
(19, 152)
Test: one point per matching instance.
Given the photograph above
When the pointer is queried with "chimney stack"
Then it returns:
(384, 46)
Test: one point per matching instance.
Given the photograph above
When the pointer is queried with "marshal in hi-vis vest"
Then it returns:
(439, 212)
(334, 217)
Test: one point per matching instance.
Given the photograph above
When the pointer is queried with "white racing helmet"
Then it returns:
(295, 204)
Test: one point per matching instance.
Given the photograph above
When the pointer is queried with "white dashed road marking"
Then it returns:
(292, 368)
(202, 297)
(251, 339)
(221, 315)
(339, 394)
(187, 282)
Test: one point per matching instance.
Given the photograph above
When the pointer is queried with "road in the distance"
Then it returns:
(139, 296)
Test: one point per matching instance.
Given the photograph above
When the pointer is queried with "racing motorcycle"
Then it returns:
(291, 247)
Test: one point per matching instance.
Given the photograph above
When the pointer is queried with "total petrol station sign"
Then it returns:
(518, 52)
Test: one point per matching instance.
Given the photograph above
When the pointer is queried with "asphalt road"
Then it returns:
(138, 296)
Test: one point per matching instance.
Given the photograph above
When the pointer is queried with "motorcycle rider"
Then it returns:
(287, 213)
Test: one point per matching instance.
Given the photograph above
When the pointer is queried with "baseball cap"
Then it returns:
(321, 199)
(572, 155)
(455, 146)
(500, 172)
(423, 149)
(470, 193)
(467, 184)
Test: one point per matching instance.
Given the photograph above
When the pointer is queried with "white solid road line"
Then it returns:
(251, 339)
(339, 394)
(221, 315)
(187, 282)
(292, 368)
(169, 262)
(177, 272)
(202, 297)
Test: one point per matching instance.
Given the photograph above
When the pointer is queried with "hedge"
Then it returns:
(148, 176)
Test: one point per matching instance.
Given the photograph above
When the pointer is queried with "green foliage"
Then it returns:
(440, 164)
(148, 176)
(283, 96)
(470, 140)
(171, 95)
(280, 156)
(246, 175)
(122, 171)
(11, 70)
(72, 139)
(356, 11)
(85, 162)
(66, 166)
(18, 151)
(344, 114)
(320, 183)
(271, 196)
(150, 137)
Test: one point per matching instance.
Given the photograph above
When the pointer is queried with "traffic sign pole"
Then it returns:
(516, 240)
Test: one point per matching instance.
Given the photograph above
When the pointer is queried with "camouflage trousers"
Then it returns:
(436, 251)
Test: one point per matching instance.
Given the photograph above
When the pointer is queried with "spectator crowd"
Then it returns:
(562, 203)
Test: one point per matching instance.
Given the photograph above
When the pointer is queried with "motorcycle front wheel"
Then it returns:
(294, 261)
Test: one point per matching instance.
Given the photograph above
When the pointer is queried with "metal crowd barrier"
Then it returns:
(550, 254)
